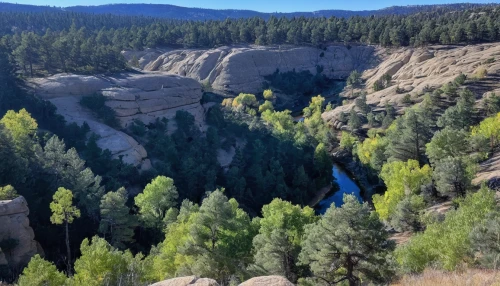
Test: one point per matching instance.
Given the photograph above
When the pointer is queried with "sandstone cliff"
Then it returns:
(414, 70)
(14, 224)
(242, 69)
(143, 97)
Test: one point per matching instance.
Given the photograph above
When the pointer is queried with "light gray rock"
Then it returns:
(14, 224)
(145, 97)
(417, 69)
(185, 281)
(267, 281)
(242, 69)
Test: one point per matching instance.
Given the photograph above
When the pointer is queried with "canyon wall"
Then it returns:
(133, 96)
(239, 69)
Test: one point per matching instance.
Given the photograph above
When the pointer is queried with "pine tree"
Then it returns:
(116, 220)
(157, 198)
(408, 137)
(277, 245)
(354, 120)
(356, 247)
(63, 212)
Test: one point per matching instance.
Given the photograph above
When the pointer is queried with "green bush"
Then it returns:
(8, 193)
(97, 103)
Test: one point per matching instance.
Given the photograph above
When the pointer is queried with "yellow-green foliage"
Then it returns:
(41, 272)
(313, 120)
(245, 102)
(268, 94)
(8, 193)
(169, 259)
(282, 121)
(227, 102)
(401, 178)
(284, 215)
(62, 207)
(446, 244)
(481, 73)
(101, 264)
(21, 127)
(489, 128)
(347, 140)
(267, 105)
(369, 147)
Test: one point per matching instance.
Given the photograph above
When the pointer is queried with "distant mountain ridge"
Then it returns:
(185, 13)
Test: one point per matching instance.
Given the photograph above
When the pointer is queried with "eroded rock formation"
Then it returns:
(415, 70)
(143, 97)
(15, 225)
(242, 69)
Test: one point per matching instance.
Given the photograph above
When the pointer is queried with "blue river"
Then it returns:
(346, 186)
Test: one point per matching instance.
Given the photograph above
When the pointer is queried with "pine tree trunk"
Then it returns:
(68, 249)
(350, 273)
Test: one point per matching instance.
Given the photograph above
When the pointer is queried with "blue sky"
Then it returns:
(258, 5)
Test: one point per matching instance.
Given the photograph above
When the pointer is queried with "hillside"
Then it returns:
(137, 149)
(185, 13)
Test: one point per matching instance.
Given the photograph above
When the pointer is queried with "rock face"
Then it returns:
(185, 281)
(14, 224)
(143, 97)
(414, 70)
(267, 281)
(242, 69)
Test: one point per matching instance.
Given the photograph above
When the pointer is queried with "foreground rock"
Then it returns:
(416, 70)
(14, 224)
(185, 281)
(267, 281)
(242, 69)
(143, 97)
(256, 281)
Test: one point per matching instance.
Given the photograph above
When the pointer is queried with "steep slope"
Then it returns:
(242, 69)
(416, 70)
(143, 97)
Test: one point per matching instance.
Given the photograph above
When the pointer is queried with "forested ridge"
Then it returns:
(57, 41)
(185, 13)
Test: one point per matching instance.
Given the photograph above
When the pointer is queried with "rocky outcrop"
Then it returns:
(415, 70)
(256, 281)
(14, 224)
(143, 97)
(267, 281)
(242, 69)
(185, 281)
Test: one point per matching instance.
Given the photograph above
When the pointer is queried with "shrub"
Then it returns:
(460, 79)
(8, 193)
(97, 104)
(447, 244)
(407, 99)
(489, 61)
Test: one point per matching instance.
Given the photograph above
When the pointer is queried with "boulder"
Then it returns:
(267, 281)
(14, 224)
(239, 69)
(184, 281)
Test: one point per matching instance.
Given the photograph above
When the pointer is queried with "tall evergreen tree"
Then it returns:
(356, 247)
(116, 221)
